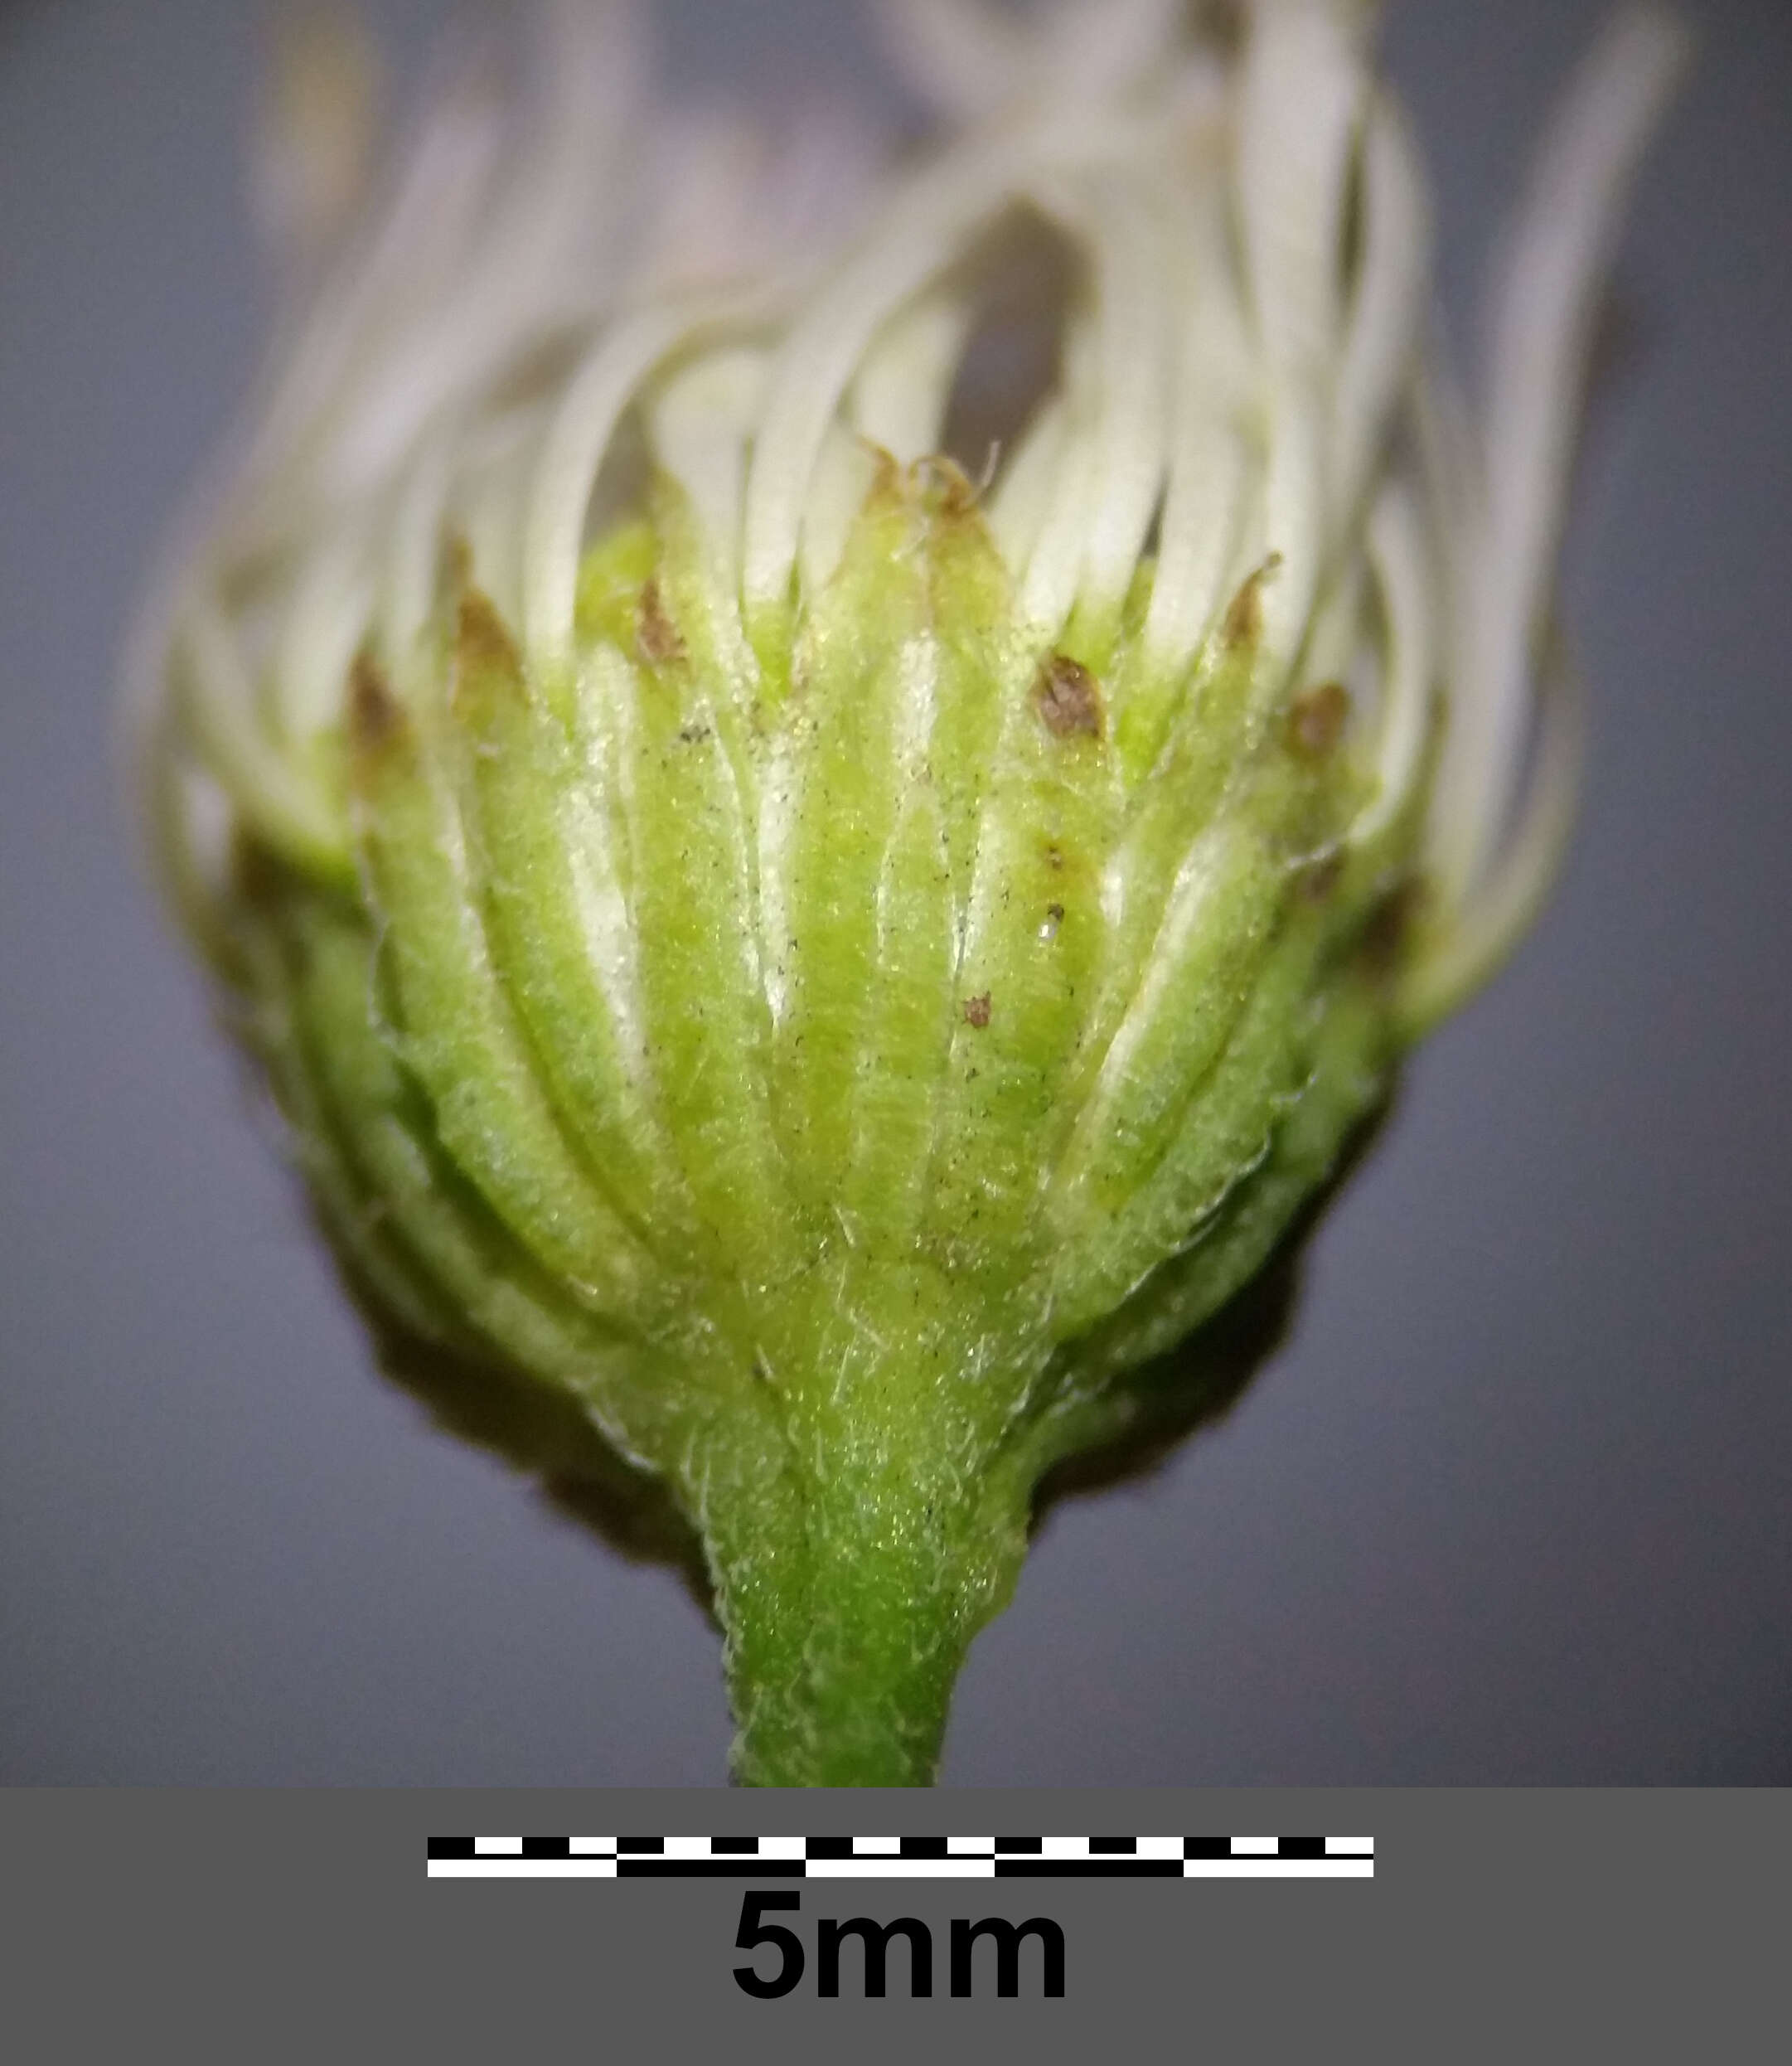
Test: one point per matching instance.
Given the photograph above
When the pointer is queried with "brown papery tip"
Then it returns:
(657, 637)
(1068, 697)
(1244, 614)
(1316, 720)
(376, 716)
(481, 638)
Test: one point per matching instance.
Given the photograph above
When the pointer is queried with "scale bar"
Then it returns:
(763, 1858)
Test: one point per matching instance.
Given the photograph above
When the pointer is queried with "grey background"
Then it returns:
(1514, 1502)
(279, 1926)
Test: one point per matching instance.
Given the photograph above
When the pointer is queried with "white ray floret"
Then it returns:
(1545, 300)
(1244, 378)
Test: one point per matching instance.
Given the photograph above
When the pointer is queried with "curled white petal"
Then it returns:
(1239, 380)
(1398, 553)
(1543, 311)
(1385, 321)
(553, 524)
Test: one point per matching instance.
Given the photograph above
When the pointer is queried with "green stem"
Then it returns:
(849, 1600)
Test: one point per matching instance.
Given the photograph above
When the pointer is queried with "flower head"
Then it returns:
(828, 788)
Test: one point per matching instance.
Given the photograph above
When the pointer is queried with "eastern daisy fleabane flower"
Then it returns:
(827, 784)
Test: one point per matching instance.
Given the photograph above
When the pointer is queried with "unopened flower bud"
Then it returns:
(827, 793)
